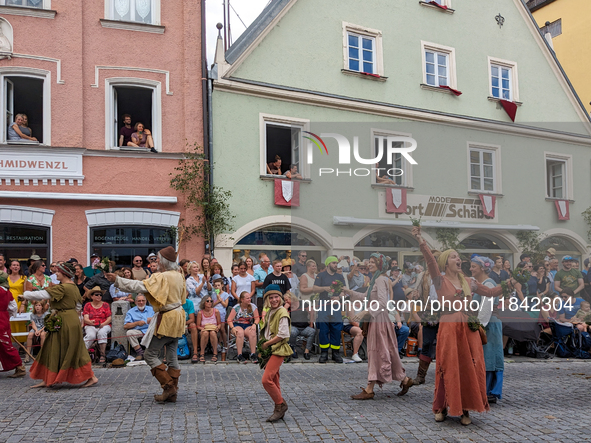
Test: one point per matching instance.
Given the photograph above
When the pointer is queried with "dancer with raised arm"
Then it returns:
(460, 380)
(9, 357)
(384, 363)
(166, 292)
(63, 356)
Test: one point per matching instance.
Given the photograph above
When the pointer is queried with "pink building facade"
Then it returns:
(75, 69)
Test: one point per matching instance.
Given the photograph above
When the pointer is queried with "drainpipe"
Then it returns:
(206, 101)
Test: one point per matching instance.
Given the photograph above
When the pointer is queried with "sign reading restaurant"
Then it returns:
(34, 163)
(443, 208)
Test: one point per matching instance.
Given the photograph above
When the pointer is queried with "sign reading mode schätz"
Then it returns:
(443, 208)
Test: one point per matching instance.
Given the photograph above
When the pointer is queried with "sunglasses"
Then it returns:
(208, 301)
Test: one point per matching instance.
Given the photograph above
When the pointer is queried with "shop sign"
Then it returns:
(19, 235)
(443, 208)
(40, 165)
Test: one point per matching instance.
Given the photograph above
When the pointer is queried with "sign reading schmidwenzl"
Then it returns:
(441, 208)
(40, 165)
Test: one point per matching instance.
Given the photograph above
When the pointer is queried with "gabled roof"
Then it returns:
(248, 37)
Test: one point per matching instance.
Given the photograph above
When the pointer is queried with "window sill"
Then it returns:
(494, 194)
(552, 199)
(283, 177)
(429, 5)
(386, 185)
(498, 100)
(23, 143)
(363, 75)
(427, 87)
(28, 12)
(132, 26)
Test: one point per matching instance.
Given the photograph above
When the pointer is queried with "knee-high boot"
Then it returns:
(174, 374)
(422, 372)
(166, 382)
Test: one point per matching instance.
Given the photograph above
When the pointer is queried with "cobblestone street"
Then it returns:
(543, 400)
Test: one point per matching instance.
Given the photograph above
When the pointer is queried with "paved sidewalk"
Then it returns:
(543, 401)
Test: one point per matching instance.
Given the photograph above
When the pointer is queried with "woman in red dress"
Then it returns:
(460, 380)
(9, 358)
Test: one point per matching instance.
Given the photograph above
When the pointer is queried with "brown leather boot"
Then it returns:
(20, 371)
(405, 386)
(364, 395)
(279, 412)
(174, 374)
(166, 382)
(422, 372)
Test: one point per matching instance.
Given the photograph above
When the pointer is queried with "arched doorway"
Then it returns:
(487, 245)
(396, 245)
(278, 242)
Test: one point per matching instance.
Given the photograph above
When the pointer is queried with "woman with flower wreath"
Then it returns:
(460, 380)
(494, 359)
(63, 357)
(384, 365)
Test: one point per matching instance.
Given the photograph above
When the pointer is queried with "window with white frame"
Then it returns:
(439, 67)
(503, 80)
(482, 170)
(140, 100)
(25, 96)
(282, 148)
(141, 11)
(398, 172)
(362, 49)
(556, 178)
(39, 4)
(361, 53)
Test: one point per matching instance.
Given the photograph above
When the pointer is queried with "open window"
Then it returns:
(141, 100)
(284, 142)
(25, 95)
(399, 173)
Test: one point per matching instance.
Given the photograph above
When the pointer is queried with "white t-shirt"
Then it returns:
(243, 284)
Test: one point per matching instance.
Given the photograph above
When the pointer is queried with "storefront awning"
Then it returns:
(352, 221)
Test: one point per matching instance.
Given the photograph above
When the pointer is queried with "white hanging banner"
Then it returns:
(488, 204)
(287, 190)
(397, 197)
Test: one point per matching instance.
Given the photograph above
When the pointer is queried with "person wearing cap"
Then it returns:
(276, 333)
(329, 324)
(101, 281)
(408, 279)
(569, 277)
(91, 270)
(97, 322)
(166, 292)
(63, 357)
(294, 281)
(383, 361)
(9, 356)
(550, 254)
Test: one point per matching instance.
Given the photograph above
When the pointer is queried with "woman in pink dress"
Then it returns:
(460, 379)
(384, 363)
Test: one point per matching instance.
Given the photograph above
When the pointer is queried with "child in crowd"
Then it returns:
(584, 311)
(37, 326)
(220, 302)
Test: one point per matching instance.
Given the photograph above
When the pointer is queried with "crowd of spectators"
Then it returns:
(221, 309)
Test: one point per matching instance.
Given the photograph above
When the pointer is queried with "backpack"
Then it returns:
(534, 351)
(117, 351)
(183, 352)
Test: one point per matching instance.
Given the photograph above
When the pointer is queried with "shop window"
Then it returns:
(19, 242)
(141, 100)
(25, 95)
(123, 243)
(140, 11)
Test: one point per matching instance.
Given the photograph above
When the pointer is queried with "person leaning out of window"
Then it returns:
(274, 168)
(19, 129)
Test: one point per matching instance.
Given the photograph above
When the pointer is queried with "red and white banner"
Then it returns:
(562, 209)
(488, 204)
(395, 200)
(287, 192)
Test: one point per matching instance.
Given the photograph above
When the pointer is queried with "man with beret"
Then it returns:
(166, 293)
(329, 324)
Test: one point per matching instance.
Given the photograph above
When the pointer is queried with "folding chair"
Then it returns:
(562, 336)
